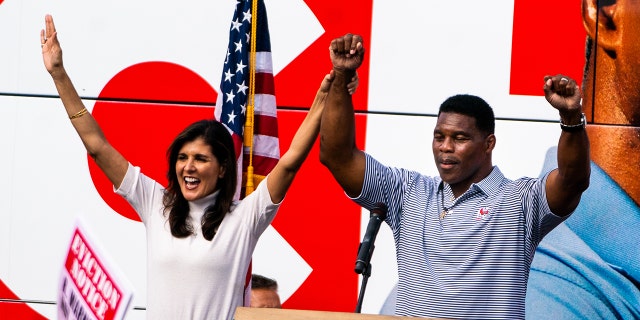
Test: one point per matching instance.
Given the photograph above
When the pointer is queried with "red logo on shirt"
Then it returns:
(482, 213)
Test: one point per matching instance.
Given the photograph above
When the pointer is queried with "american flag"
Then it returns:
(234, 108)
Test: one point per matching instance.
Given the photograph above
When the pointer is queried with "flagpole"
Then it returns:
(249, 122)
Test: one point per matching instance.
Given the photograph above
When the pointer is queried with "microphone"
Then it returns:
(365, 251)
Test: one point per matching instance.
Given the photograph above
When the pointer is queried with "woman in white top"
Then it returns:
(199, 241)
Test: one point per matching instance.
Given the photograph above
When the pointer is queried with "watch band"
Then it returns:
(574, 127)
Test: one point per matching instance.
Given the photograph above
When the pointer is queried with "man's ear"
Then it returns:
(602, 20)
(491, 142)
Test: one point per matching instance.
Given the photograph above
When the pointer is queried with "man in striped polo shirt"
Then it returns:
(466, 238)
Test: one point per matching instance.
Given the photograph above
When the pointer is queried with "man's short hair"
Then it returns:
(472, 106)
(262, 282)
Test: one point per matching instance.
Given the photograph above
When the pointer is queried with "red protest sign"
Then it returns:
(91, 287)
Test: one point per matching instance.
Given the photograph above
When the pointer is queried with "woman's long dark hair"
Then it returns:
(216, 136)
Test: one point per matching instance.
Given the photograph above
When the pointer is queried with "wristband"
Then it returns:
(574, 127)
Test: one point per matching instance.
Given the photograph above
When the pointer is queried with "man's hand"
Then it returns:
(563, 94)
(347, 52)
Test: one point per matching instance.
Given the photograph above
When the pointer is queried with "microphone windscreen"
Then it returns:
(379, 209)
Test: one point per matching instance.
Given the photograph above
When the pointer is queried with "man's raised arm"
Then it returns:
(338, 151)
(566, 184)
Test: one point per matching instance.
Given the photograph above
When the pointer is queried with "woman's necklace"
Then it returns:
(445, 210)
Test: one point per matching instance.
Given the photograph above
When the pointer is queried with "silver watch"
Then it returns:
(574, 127)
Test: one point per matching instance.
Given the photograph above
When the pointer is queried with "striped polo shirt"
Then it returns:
(474, 262)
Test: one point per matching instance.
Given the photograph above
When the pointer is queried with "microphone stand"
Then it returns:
(365, 250)
(366, 273)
